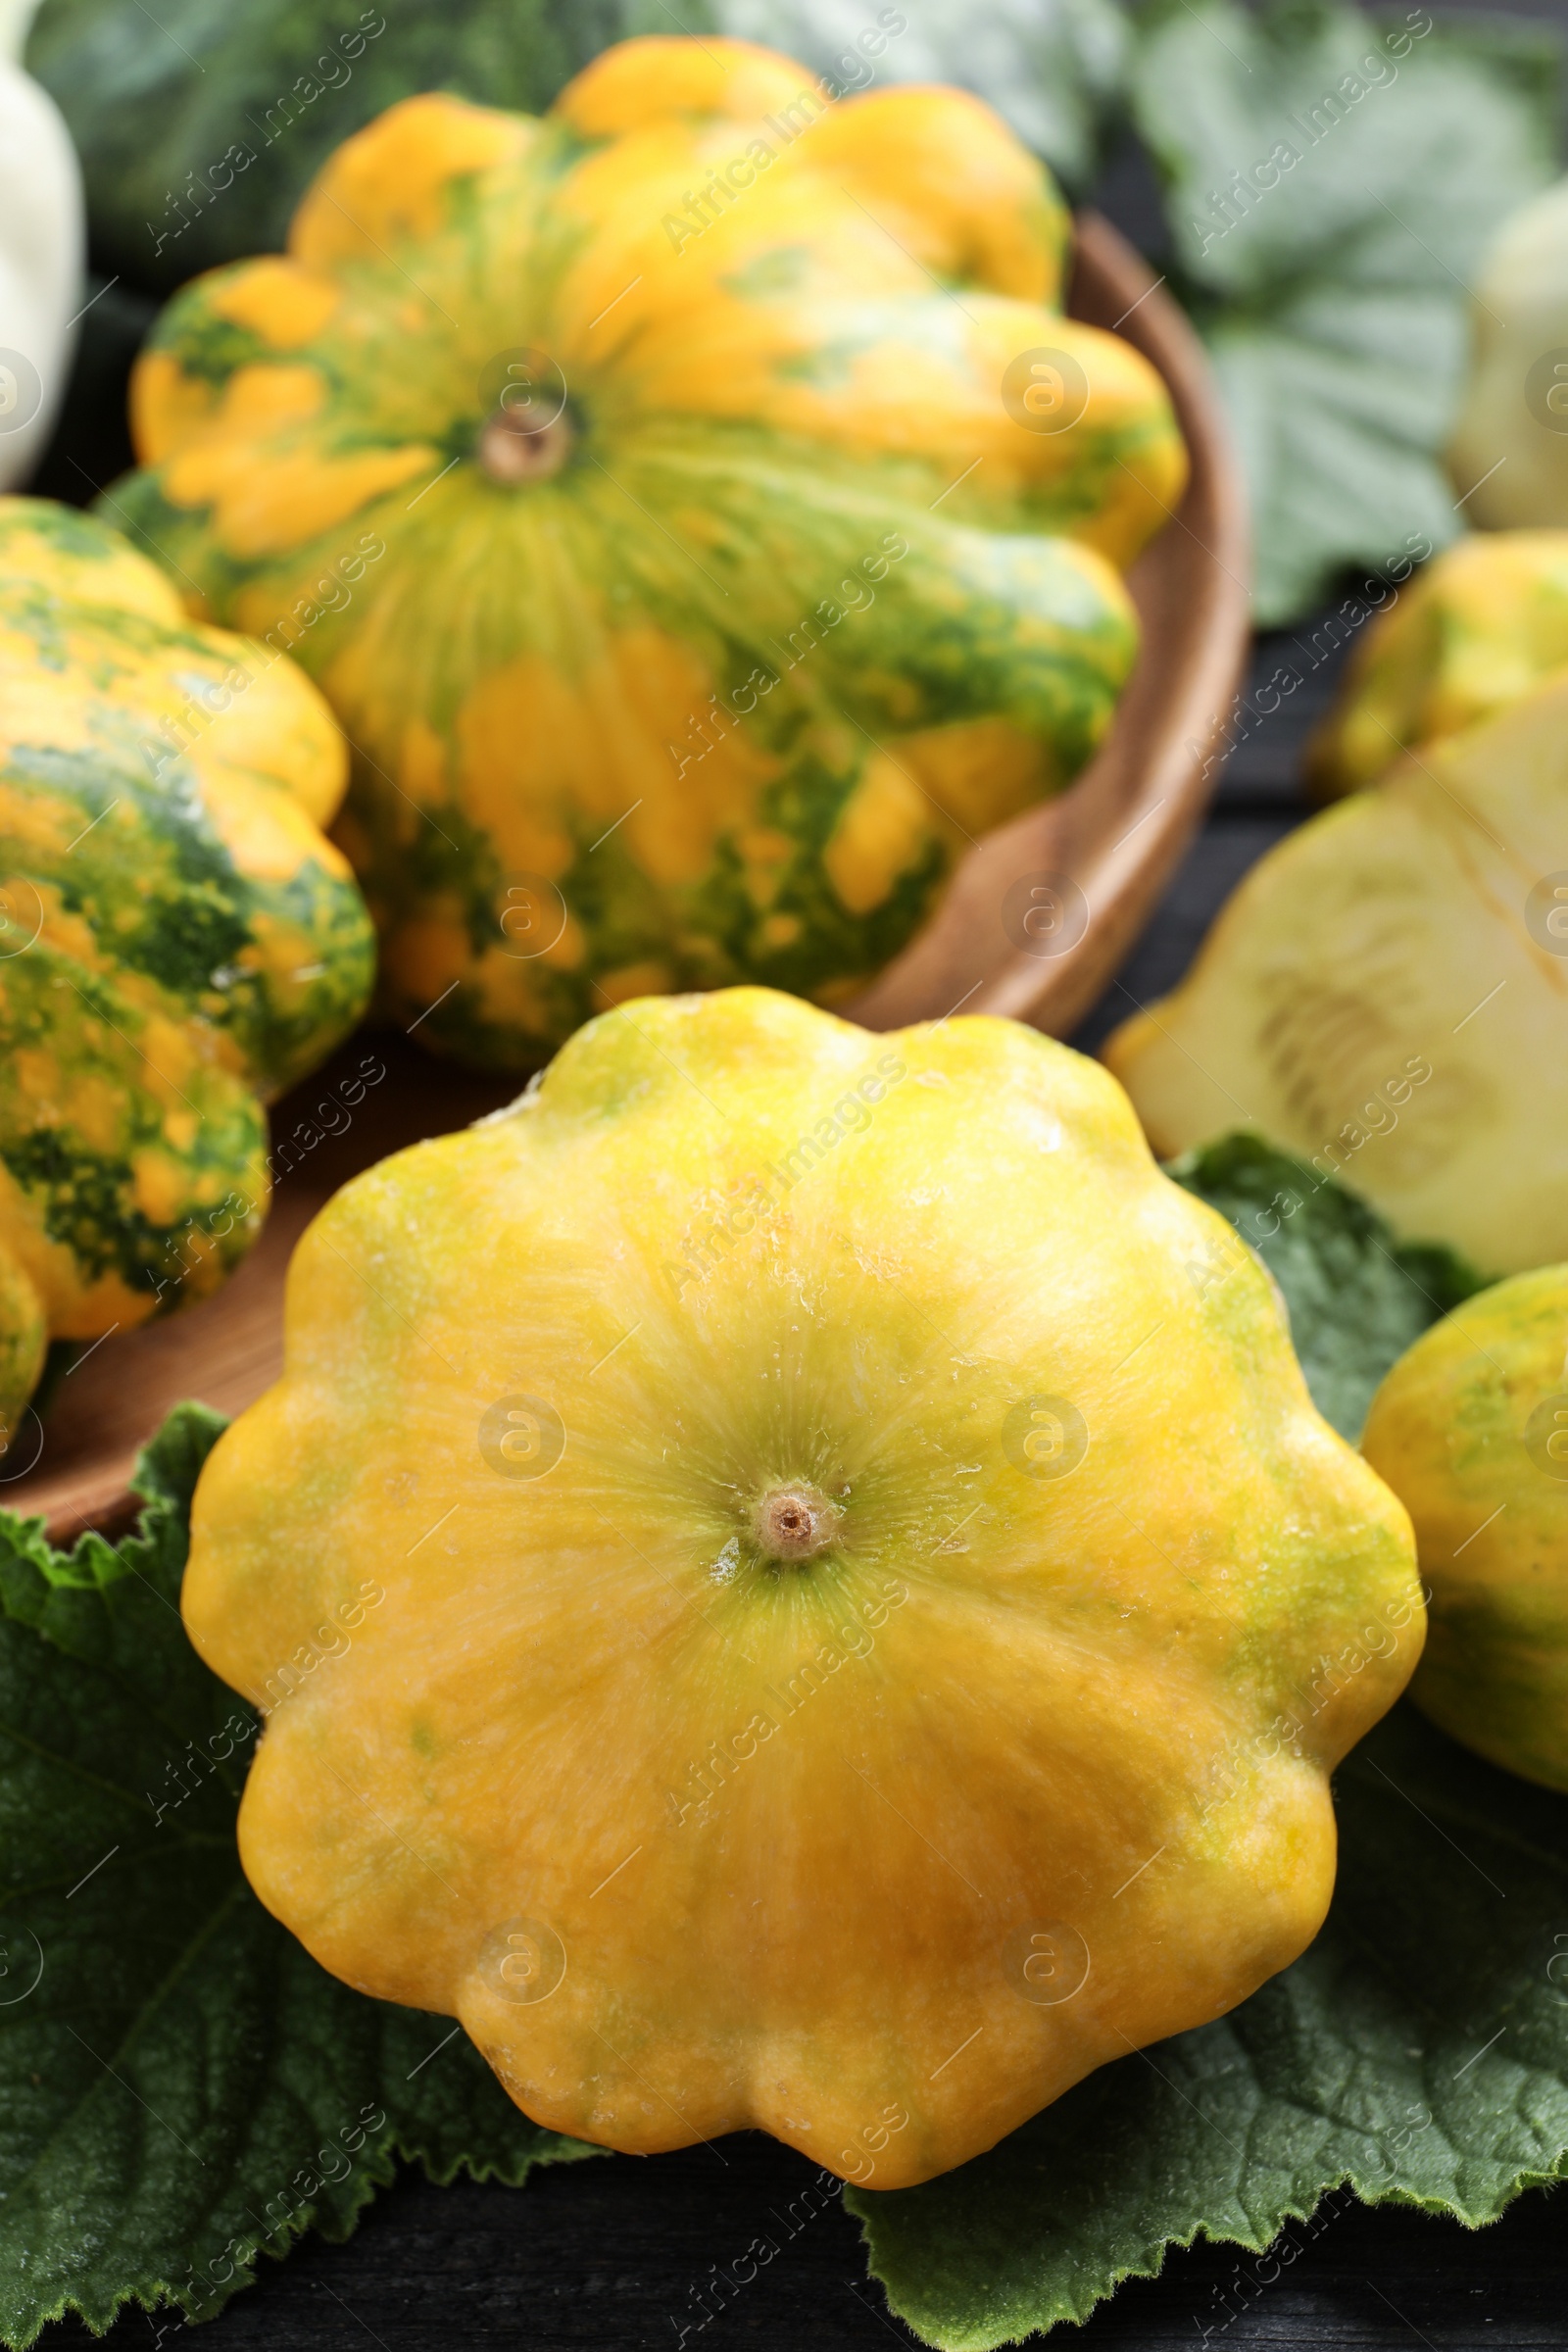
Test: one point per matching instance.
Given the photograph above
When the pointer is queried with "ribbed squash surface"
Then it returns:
(178, 940)
(795, 1580)
(1470, 1429)
(729, 592)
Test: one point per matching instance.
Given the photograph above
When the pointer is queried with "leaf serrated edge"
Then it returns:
(1150, 2262)
(334, 2225)
(167, 1471)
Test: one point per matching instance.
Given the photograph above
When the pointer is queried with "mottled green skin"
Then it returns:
(789, 567)
(82, 1191)
(161, 891)
(139, 1029)
(1466, 1431)
(154, 878)
(973, 623)
(23, 1338)
(705, 942)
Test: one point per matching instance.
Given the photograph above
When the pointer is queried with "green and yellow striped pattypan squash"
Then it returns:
(753, 520)
(178, 940)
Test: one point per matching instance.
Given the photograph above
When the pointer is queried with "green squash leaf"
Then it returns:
(200, 129)
(1050, 68)
(181, 2086)
(1357, 1298)
(1332, 287)
(1417, 2053)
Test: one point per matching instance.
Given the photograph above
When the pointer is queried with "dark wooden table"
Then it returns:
(604, 2256)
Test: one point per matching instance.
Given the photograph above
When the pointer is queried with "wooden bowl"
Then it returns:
(1095, 860)
(1114, 839)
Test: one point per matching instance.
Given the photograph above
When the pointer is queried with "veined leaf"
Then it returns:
(1331, 181)
(1052, 67)
(1356, 1298)
(201, 127)
(1418, 2053)
(181, 2085)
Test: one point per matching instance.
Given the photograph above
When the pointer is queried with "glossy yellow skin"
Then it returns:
(178, 938)
(1485, 622)
(1385, 995)
(797, 608)
(1470, 1429)
(879, 1851)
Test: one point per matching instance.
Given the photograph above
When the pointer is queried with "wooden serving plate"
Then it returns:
(1102, 853)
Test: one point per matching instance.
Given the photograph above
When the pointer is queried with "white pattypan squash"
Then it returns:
(1510, 447)
(42, 254)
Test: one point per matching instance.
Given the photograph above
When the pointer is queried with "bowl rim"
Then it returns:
(1117, 833)
(1119, 830)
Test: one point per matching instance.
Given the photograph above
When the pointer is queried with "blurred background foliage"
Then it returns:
(1317, 183)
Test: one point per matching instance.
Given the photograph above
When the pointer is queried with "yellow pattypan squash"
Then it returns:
(1470, 1429)
(1484, 623)
(794, 1581)
(753, 520)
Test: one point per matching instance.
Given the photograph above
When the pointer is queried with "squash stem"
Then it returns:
(511, 452)
(796, 1522)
